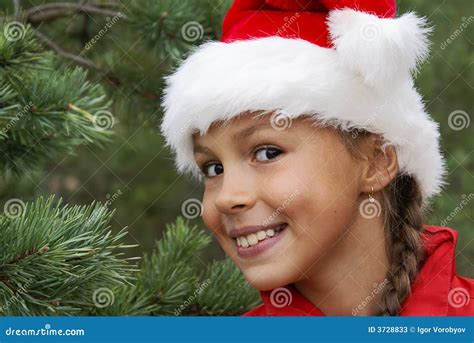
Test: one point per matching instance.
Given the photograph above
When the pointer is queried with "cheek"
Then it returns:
(213, 221)
(311, 190)
(319, 201)
(210, 215)
(314, 190)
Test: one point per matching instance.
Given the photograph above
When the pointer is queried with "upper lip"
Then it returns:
(243, 231)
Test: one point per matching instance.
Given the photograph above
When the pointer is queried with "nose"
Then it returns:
(237, 192)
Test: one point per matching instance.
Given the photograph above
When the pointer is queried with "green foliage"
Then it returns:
(171, 28)
(170, 281)
(18, 57)
(63, 260)
(225, 275)
(44, 110)
(161, 24)
(54, 257)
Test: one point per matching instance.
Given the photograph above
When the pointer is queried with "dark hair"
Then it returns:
(403, 225)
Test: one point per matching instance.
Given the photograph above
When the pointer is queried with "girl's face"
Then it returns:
(258, 174)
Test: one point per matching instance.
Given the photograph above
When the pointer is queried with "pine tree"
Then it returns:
(66, 259)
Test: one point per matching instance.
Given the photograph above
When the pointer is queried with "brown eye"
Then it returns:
(267, 153)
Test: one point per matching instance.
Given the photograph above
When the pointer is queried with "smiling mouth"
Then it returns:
(255, 238)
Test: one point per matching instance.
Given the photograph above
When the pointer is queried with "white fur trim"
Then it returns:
(382, 50)
(219, 80)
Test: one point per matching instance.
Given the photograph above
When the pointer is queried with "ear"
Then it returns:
(380, 165)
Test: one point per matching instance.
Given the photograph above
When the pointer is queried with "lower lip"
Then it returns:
(261, 246)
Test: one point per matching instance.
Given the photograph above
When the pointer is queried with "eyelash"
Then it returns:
(254, 151)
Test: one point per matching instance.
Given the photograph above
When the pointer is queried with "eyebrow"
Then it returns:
(199, 149)
(242, 134)
(238, 136)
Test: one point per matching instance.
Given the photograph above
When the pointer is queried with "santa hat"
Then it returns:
(347, 63)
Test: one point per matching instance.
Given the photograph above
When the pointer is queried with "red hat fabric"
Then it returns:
(345, 63)
(305, 19)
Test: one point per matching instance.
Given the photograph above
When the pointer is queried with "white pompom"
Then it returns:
(382, 50)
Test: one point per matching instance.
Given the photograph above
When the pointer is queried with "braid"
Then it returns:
(403, 223)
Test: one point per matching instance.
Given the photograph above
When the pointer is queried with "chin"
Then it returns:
(266, 280)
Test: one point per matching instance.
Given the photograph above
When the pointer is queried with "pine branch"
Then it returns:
(63, 53)
(170, 28)
(54, 258)
(45, 110)
(238, 298)
(166, 276)
(52, 11)
(21, 52)
(170, 281)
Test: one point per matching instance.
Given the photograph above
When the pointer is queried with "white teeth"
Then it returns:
(261, 235)
(253, 238)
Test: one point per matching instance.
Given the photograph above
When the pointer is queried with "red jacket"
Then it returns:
(436, 291)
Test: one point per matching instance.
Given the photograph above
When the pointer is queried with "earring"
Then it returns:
(371, 198)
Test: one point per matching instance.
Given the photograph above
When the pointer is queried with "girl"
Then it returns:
(318, 158)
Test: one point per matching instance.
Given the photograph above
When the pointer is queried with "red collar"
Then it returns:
(430, 289)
